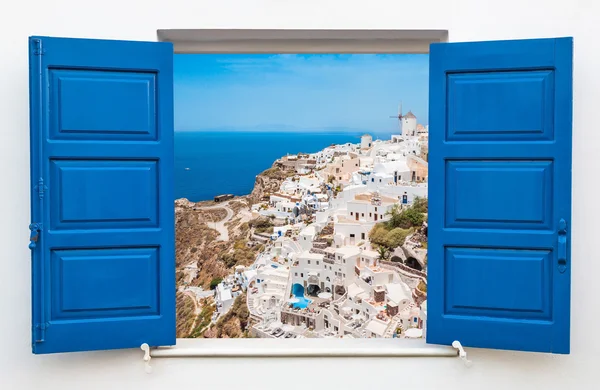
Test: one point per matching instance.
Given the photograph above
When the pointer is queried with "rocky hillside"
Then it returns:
(268, 181)
(196, 244)
(234, 324)
(203, 258)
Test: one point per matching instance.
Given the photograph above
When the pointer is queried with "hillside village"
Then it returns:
(328, 244)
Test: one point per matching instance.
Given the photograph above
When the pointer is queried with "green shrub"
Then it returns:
(396, 237)
(390, 239)
(377, 234)
(215, 282)
(420, 204)
(260, 222)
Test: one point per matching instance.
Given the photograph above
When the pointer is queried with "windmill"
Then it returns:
(399, 116)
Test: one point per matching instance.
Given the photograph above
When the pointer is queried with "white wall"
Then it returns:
(138, 20)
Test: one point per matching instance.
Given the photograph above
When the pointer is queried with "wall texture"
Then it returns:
(467, 20)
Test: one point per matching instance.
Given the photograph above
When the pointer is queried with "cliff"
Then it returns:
(268, 182)
(210, 240)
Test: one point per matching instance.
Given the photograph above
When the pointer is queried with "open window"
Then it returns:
(102, 231)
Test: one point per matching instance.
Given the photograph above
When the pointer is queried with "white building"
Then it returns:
(389, 173)
(306, 237)
(369, 207)
(409, 125)
(365, 141)
(267, 291)
(225, 294)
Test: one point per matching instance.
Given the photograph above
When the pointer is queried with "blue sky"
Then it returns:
(303, 92)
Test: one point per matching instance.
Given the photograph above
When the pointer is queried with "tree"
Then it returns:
(410, 217)
(395, 216)
(420, 204)
(383, 253)
(377, 234)
(414, 217)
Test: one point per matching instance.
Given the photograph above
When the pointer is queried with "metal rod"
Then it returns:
(280, 350)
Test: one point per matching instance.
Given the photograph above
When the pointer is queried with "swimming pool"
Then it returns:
(298, 291)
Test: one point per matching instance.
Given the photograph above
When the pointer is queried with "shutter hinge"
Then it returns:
(40, 188)
(39, 50)
(35, 228)
(41, 328)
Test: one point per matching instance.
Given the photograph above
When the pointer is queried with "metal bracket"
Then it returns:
(40, 188)
(462, 353)
(35, 233)
(39, 50)
(146, 348)
(562, 245)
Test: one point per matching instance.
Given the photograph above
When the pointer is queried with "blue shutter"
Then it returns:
(500, 178)
(102, 232)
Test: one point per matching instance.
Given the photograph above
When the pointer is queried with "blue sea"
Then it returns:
(227, 162)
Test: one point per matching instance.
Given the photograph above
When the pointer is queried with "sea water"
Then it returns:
(210, 163)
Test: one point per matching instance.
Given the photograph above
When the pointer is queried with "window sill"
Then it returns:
(187, 348)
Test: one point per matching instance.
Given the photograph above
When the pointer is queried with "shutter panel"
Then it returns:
(500, 175)
(102, 232)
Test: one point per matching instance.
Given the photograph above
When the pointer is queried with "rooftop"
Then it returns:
(368, 196)
(410, 115)
(310, 256)
(370, 254)
(377, 327)
(396, 292)
(354, 290)
(347, 251)
(309, 230)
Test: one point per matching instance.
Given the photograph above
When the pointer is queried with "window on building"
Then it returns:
(301, 274)
(451, 63)
(362, 236)
(317, 262)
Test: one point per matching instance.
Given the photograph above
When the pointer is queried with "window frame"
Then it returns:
(309, 41)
